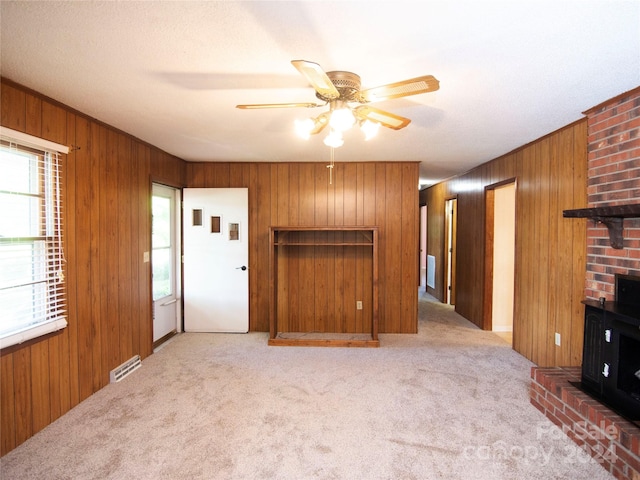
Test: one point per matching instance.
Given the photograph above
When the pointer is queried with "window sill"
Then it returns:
(34, 333)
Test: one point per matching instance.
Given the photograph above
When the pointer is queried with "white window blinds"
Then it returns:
(32, 290)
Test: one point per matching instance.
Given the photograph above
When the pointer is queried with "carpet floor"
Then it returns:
(450, 402)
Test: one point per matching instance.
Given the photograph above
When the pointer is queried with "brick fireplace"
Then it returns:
(613, 183)
(613, 179)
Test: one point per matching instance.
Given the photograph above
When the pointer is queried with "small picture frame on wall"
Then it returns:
(234, 231)
(196, 217)
(216, 224)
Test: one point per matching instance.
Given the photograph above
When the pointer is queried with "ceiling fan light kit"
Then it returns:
(339, 90)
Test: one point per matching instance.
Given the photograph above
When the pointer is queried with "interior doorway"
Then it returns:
(451, 220)
(500, 259)
(165, 264)
(423, 247)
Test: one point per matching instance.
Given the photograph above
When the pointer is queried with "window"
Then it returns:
(161, 244)
(32, 293)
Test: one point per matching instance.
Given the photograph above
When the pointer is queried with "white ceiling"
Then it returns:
(171, 72)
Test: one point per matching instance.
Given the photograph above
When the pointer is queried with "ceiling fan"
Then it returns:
(348, 104)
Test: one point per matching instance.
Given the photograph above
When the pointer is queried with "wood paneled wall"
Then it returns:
(107, 228)
(319, 285)
(550, 250)
(107, 191)
(382, 194)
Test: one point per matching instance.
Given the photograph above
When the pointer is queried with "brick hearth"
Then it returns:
(611, 440)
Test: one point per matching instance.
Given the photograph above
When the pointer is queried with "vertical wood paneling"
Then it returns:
(519, 284)
(7, 405)
(259, 293)
(338, 195)
(282, 181)
(393, 246)
(321, 195)
(83, 261)
(318, 287)
(135, 256)
(124, 238)
(54, 125)
(527, 229)
(546, 240)
(561, 284)
(349, 254)
(96, 149)
(294, 323)
(550, 250)
(109, 209)
(410, 248)
(145, 316)
(383, 256)
(101, 170)
(578, 241)
(71, 241)
(33, 118)
(40, 393)
(22, 379)
(554, 281)
(106, 197)
(368, 218)
(236, 175)
(107, 228)
(54, 366)
(349, 193)
(13, 108)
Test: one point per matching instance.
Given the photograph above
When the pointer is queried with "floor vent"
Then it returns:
(125, 369)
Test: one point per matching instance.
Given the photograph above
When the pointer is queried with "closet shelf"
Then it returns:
(281, 237)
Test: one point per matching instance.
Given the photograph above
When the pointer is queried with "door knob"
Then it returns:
(243, 268)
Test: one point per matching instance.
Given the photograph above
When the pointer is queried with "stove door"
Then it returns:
(621, 389)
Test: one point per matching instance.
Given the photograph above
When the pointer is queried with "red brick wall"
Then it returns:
(609, 439)
(614, 179)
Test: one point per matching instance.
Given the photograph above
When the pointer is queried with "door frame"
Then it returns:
(178, 267)
(422, 245)
(487, 309)
(450, 234)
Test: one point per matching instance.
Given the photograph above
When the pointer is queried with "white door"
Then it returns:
(216, 252)
(164, 261)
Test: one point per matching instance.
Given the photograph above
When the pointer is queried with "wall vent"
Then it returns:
(125, 369)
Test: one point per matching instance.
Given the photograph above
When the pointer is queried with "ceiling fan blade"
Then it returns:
(414, 86)
(279, 105)
(317, 78)
(386, 119)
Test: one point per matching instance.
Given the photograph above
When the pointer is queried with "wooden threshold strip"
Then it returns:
(301, 339)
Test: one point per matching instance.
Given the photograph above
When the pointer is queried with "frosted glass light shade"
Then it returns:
(334, 139)
(370, 129)
(304, 127)
(342, 119)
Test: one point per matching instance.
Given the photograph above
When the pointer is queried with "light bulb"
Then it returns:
(334, 139)
(370, 129)
(304, 127)
(342, 119)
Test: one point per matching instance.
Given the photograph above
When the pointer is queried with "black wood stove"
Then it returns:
(611, 355)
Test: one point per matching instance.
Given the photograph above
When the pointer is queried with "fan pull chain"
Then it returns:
(330, 166)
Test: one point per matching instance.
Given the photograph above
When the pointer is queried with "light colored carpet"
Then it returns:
(450, 402)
